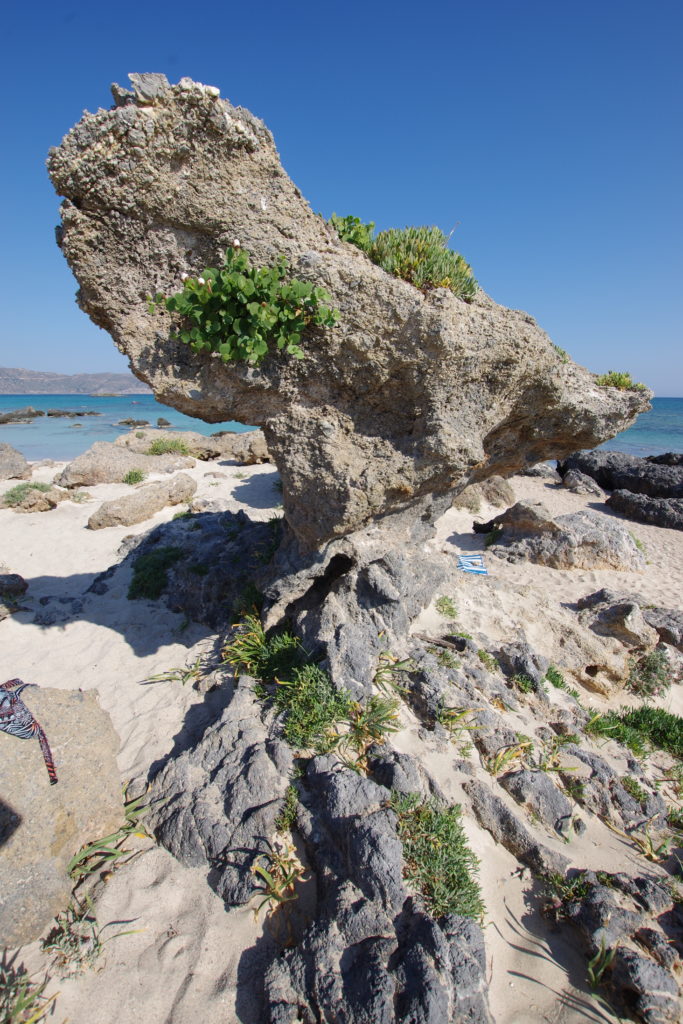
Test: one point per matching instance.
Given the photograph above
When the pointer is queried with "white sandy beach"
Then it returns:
(187, 962)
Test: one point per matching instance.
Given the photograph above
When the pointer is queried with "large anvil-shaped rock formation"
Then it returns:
(406, 401)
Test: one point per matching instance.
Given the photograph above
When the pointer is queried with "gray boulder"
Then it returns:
(616, 471)
(580, 540)
(42, 826)
(143, 503)
(13, 465)
(494, 491)
(580, 483)
(362, 427)
(666, 512)
(538, 793)
(24, 415)
(107, 463)
(609, 614)
(669, 624)
(12, 588)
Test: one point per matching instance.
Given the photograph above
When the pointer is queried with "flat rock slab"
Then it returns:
(143, 502)
(42, 826)
(107, 463)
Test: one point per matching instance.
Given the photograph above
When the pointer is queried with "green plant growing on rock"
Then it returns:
(620, 380)
(458, 722)
(150, 572)
(133, 476)
(21, 1000)
(243, 313)
(168, 445)
(634, 789)
(287, 816)
(556, 679)
(15, 495)
(420, 255)
(264, 657)
(487, 660)
(367, 724)
(446, 608)
(649, 674)
(508, 755)
(524, 683)
(493, 535)
(438, 860)
(312, 709)
(351, 229)
(388, 669)
(277, 871)
(598, 964)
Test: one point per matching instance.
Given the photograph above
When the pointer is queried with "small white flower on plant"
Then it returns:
(236, 244)
(184, 277)
(200, 280)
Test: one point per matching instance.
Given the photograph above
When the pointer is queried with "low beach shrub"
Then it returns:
(421, 256)
(621, 380)
(641, 729)
(649, 674)
(445, 607)
(133, 476)
(312, 709)
(243, 313)
(150, 573)
(164, 446)
(16, 494)
(438, 860)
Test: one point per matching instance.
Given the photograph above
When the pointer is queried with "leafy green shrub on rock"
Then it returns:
(351, 229)
(133, 476)
(243, 313)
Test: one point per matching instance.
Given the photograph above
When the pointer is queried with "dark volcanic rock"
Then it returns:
(667, 512)
(411, 397)
(24, 415)
(538, 793)
(667, 459)
(615, 471)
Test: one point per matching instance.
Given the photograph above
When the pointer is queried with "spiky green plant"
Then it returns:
(620, 380)
(21, 999)
(420, 255)
(438, 859)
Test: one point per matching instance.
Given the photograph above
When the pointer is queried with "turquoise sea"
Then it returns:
(58, 438)
(659, 430)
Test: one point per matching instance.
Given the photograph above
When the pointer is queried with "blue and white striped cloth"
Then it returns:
(472, 563)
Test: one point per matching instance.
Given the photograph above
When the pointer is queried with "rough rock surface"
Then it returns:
(221, 796)
(615, 471)
(608, 614)
(372, 949)
(580, 483)
(143, 503)
(40, 501)
(580, 540)
(12, 588)
(248, 448)
(13, 465)
(222, 553)
(43, 826)
(667, 512)
(24, 415)
(107, 463)
(494, 491)
(411, 396)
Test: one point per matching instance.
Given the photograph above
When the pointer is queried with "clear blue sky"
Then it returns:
(548, 131)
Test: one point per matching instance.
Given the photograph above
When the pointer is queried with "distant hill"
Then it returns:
(36, 382)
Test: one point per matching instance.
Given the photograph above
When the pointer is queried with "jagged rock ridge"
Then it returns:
(407, 400)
